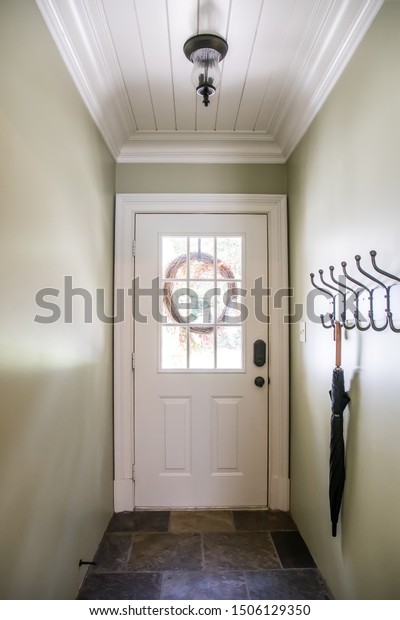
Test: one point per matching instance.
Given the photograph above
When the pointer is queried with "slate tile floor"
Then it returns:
(203, 555)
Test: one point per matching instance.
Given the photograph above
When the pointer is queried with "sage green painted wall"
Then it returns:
(56, 201)
(201, 178)
(344, 188)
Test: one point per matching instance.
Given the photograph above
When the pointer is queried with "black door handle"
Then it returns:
(259, 352)
(259, 381)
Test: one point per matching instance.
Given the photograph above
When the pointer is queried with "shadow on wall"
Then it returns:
(52, 467)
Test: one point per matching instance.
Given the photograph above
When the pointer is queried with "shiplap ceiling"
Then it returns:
(127, 61)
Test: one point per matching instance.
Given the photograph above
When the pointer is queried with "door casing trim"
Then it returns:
(273, 205)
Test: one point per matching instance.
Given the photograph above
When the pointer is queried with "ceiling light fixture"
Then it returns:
(205, 51)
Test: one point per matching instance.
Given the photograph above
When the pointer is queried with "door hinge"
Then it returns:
(133, 472)
(133, 248)
(133, 361)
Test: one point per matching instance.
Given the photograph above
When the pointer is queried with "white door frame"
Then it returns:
(127, 205)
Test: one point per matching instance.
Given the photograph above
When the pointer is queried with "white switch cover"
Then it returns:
(302, 332)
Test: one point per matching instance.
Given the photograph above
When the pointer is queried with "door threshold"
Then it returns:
(197, 508)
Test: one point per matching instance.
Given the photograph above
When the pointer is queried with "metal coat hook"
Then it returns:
(357, 298)
(343, 313)
(371, 311)
(344, 322)
(346, 298)
(373, 254)
(321, 316)
(392, 277)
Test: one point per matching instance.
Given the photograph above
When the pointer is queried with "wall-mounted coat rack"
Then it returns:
(345, 294)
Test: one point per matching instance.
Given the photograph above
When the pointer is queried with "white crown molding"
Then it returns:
(326, 83)
(80, 43)
(81, 34)
(201, 147)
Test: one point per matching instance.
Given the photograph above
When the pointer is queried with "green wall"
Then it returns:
(56, 201)
(201, 178)
(344, 187)
(57, 186)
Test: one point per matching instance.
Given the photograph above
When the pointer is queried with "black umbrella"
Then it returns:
(340, 399)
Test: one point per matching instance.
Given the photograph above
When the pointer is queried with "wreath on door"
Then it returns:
(206, 262)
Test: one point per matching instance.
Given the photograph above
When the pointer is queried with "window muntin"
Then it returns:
(201, 282)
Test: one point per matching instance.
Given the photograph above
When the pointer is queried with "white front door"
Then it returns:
(200, 420)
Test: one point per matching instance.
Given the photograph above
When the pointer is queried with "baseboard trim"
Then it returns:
(279, 496)
(123, 495)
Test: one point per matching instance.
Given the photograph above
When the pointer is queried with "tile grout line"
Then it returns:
(129, 554)
(247, 585)
(203, 553)
(233, 521)
(162, 586)
(276, 550)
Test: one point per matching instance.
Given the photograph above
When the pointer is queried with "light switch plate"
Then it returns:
(302, 331)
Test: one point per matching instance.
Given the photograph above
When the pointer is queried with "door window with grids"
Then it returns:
(202, 282)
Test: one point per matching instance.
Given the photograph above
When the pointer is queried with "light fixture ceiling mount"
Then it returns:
(205, 51)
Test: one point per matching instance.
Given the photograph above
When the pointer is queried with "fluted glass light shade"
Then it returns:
(205, 51)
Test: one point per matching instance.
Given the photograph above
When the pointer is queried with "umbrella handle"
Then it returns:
(338, 340)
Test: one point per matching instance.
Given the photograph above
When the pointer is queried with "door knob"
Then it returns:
(259, 381)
